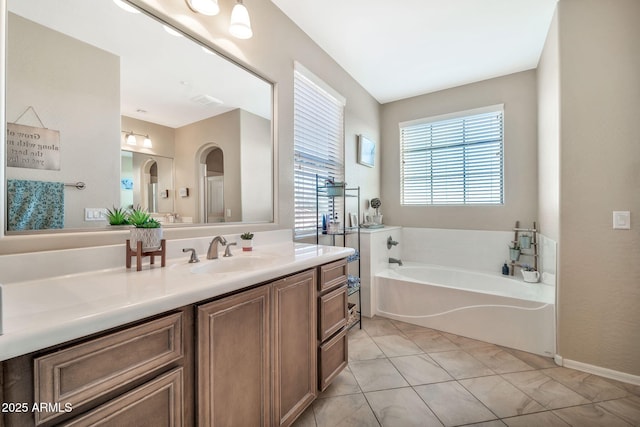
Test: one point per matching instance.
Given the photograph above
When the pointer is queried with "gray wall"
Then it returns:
(518, 93)
(599, 282)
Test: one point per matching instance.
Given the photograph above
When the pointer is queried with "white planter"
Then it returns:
(247, 245)
(150, 237)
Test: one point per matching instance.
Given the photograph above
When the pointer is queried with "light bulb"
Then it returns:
(147, 142)
(205, 7)
(131, 139)
(240, 26)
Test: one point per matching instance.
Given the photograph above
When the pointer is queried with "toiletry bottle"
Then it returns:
(505, 269)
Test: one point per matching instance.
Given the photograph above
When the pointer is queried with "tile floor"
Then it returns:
(405, 375)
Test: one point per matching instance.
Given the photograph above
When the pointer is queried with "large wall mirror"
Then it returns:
(101, 93)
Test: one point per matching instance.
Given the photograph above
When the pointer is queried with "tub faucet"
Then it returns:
(396, 261)
(391, 242)
(212, 253)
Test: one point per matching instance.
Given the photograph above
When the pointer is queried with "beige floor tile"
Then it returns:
(431, 342)
(499, 360)
(364, 349)
(533, 360)
(501, 397)
(464, 342)
(306, 419)
(420, 369)
(377, 327)
(460, 364)
(589, 416)
(357, 333)
(345, 383)
(401, 407)
(409, 327)
(396, 345)
(590, 386)
(496, 423)
(628, 409)
(379, 374)
(453, 404)
(540, 419)
(344, 411)
(546, 391)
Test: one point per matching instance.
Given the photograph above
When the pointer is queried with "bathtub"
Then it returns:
(493, 308)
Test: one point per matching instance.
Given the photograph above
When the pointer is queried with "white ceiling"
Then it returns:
(398, 49)
(163, 77)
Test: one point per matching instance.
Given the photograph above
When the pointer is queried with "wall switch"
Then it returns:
(95, 214)
(621, 220)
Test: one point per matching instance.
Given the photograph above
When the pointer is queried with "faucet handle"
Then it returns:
(194, 257)
(227, 251)
(391, 242)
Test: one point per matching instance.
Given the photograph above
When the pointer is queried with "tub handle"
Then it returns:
(391, 242)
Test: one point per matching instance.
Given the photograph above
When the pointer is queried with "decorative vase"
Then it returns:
(151, 238)
(247, 245)
(514, 254)
(525, 242)
(335, 189)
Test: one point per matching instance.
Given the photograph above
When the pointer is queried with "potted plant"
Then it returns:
(514, 251)
(375, 204)
(246, 240)
(529, 274)
(146, 229)
(525, 241)
(117, 216)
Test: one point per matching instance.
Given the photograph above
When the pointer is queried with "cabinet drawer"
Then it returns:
(156, 403)
(83, 372)
(332, 275)
(332, 312)
(333, 358)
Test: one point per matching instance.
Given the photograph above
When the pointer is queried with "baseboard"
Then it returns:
(597, 370)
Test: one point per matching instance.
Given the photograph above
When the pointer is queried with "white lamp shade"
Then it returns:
(147, 142)
(131, 139)
(240, 26)
(205, 7)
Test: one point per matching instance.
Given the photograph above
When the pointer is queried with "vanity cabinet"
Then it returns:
(132, 376)
(332, 322)
(256, 357)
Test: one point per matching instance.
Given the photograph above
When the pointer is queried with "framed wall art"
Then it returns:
(366, 151)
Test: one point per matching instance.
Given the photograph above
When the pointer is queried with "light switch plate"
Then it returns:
(621, 220)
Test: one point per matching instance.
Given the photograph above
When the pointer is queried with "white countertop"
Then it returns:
(41, 313)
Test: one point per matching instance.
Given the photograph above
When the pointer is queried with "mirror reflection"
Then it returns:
(109, 97)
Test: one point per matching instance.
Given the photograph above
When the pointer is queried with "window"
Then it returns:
(318, 139)
(454, 159)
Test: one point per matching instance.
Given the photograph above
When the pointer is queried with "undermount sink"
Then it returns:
(240, 263)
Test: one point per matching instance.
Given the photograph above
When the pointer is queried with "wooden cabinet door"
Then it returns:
(294, 313)
(234, 360)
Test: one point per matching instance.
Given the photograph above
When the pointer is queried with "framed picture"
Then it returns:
(353, 220)
(366, 151)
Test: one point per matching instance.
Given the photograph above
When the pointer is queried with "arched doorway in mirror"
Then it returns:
(149, 187)
(212, 184)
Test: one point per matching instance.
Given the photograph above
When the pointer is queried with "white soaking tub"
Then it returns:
(488, 307)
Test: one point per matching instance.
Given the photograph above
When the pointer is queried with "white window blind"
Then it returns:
(318, 132)
(453, 160)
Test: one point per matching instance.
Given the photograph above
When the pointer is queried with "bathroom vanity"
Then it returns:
(243, 341)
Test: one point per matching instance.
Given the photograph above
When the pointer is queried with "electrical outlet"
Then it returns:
(95, 214)
(621, 220)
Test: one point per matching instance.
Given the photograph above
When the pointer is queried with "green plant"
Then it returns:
(514, 245)
(246, 236)
(140, 218)
(117, 216)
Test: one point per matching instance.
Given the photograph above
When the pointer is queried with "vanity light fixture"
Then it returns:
(240, 26)
(130, 139)
(205, 7)
(147, 142)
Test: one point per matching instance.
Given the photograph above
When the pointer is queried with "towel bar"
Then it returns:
(79, 185)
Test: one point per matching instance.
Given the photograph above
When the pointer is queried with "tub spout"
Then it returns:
(395, 260)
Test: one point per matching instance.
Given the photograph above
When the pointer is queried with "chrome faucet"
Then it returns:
(194, 257)
(212, 253)
(395, 260)
(227, 251)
